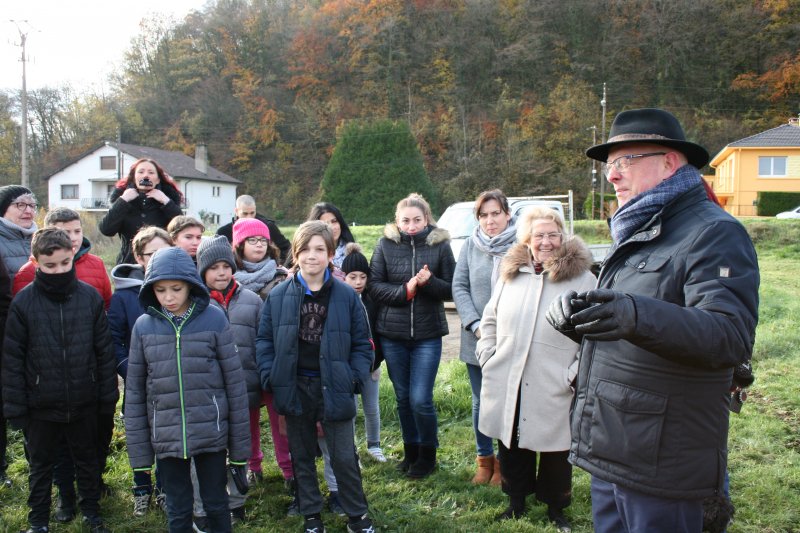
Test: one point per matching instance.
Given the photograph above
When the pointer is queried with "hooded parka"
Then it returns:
(185, 393)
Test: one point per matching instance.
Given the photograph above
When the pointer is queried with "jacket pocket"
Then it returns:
(627, 425)
(155, 410)
(216, 406)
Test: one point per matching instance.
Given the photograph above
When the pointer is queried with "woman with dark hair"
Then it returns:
(147, 196)
(331, 215)
(476, 274)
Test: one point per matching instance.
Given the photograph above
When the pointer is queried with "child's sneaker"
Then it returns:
(161, 501)
(313, 525)
(199, 524)
(140, 504)
(363, 525)
(95, 524)
(333, 504)
(237, 515)
(254, 477)
(37, 529)
(377, 454)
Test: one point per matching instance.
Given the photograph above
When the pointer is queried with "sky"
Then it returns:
(74, 42)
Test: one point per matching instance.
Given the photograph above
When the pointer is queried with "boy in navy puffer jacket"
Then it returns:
(186, 398)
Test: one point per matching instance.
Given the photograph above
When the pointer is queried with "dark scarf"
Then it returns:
(642, 207)
(57, 287)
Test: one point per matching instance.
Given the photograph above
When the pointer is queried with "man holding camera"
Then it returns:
(675, 311)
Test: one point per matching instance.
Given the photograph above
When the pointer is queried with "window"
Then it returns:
(216, 191)
(772, 166)
(69, 192)
(108, 162)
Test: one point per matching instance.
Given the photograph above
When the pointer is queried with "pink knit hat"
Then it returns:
(248, 227)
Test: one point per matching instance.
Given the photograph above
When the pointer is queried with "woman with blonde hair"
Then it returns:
(411, 274)
(528, 367)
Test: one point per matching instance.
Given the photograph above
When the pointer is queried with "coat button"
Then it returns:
(641, 265)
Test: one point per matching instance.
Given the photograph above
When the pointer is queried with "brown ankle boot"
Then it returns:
(485, 470)
(496, 476)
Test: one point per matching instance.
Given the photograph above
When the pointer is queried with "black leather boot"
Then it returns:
(411, 454)
(425, 463)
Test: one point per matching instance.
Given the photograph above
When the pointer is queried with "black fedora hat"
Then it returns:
(652, 126)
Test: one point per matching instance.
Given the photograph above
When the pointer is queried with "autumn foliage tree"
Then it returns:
(373, 166)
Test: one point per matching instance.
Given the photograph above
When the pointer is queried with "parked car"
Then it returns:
(794, 213)
(460, 220)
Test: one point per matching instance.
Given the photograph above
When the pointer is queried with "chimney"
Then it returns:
(201, 158)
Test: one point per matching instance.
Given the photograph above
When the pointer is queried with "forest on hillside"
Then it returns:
(498, 93)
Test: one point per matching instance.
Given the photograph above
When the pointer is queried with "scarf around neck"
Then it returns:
(56, 287)
(497, 246)
(255, 276)
(642, 207)
(338, 256)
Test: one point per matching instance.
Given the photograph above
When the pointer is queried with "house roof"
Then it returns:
(177, 164)
(784, 135)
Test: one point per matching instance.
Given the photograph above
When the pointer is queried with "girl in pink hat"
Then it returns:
(256, 256)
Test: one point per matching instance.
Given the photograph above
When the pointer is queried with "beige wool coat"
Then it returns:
(520, 352)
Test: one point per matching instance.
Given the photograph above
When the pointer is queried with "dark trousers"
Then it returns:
(212, 475)
(143, 482)
(302, 433)
(616, 509)
(64, 470)
(552, 484)
(42, 441)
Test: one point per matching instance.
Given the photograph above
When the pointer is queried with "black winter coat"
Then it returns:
(651, 412)
(5, 302)
(126, 218)
(396, 259)
(58, 359)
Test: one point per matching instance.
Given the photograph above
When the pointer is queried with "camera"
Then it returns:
(145, 183)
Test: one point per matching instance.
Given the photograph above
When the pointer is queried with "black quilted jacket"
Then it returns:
(58, 359)
(396, 259)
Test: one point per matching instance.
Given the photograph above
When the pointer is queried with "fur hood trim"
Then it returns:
(436, 235)
(569, 261)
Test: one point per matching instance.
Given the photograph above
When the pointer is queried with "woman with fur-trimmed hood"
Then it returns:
(528, 367)
(411, 274)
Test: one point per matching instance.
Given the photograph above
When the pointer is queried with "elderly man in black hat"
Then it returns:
(675, 310)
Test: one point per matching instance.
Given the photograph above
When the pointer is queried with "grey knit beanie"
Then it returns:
(211, 250)
(8, 194)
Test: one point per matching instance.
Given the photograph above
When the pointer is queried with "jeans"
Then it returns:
(482, 442)
(617, 509)
(412, 368)
(177, 482)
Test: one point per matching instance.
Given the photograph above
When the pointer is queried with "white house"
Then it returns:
(86, 183)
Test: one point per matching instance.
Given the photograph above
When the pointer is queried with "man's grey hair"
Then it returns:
(245, 200)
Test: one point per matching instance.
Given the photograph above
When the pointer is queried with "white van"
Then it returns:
(460, 220)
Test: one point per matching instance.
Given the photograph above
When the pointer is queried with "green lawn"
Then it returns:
(764, 440)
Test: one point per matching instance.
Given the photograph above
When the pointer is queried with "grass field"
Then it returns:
(764, 439)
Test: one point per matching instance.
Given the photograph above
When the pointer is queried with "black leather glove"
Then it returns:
(560, 311)
(239, 476)
(612, 315)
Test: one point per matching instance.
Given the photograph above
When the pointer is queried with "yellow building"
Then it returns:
(766, 161)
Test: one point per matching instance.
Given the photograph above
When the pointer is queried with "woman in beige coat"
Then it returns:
(528, 367)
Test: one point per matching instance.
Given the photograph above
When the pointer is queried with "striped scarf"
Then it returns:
(642, 207)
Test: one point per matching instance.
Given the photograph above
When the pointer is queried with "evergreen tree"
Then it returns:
(374, 165)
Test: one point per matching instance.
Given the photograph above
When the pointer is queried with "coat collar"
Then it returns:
(569, 261)
(435, 236)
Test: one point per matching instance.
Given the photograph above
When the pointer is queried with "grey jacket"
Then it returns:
(185, 392)
(15, 242)
(472, 288)
(244, 313)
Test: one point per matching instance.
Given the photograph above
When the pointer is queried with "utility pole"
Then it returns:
(594, 168)
(602, 140)
(24, 181)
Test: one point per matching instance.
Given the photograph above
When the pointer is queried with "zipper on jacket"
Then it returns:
(154, 420)
(64, 356)
(217, 406)
(413, 273)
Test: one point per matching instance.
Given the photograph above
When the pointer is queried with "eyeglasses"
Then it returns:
(22, 206)
(623, 163)
(552, 236)
(257, 240)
